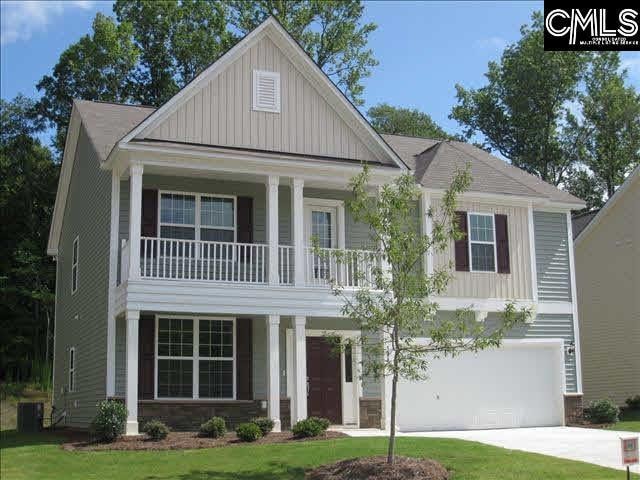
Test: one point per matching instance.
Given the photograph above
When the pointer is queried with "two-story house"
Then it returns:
(186, 285)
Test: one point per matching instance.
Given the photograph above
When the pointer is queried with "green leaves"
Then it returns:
(405, 121)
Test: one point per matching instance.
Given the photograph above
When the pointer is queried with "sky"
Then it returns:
(424, 48)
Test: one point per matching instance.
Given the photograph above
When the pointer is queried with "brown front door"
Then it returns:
(324, 397)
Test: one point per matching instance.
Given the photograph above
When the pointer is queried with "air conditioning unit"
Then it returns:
(30, 415)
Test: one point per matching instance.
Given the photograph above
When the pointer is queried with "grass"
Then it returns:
(629, 421)
(40, 456)
(11, 394)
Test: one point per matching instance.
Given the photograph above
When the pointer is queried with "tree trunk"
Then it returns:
(392, 426)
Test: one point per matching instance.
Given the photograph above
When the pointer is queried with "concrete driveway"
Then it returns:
(600, 447)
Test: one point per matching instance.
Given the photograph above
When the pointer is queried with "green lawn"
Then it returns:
(629, 421)
(40, 456)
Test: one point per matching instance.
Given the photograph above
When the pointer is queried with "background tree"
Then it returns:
(27, 276)
(583, 185)
(395, 305)
(96, 67)
(609, 140)
(331, 32)
(386, 118)
(520, 111)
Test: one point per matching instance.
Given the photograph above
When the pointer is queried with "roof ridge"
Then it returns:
(414, 136)
(107, 102)
(506, 173)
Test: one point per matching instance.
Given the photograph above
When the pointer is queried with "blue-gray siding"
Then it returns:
(552, 256)
(81, 318)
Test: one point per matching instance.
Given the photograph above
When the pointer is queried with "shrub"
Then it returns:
(248, 432)
(156, 430)
(310, 427)
(110, 421)
(214, 427)
(602, 411)
(264, 424)
(633, 403)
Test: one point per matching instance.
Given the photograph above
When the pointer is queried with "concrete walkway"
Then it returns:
(600, 447)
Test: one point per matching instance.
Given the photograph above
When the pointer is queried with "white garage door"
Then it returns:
(518, 385)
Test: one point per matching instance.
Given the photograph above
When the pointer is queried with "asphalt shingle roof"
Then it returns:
(434, 162)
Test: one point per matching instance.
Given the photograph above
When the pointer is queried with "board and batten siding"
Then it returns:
(515, 285)
(221, 113)
(546, 326)
(552, 256)
(81, 318)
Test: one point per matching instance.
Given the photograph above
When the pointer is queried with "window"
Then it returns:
(266, 91)
(482, 244)
(74, 265)
(72, 369)
(195, 358)
(197, 217)
(348, 363)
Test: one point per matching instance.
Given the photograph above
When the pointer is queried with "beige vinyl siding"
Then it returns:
(86, 215)
(221, 113)
(552, 256)
(608, 285)
(514, 285)
(121, 357)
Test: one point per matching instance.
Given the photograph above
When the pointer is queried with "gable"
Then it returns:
(221, 112)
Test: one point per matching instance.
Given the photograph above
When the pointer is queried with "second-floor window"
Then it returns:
(482, 242)
(197, 217)
(74, 265)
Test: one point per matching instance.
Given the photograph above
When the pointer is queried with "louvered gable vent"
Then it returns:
(266, 91)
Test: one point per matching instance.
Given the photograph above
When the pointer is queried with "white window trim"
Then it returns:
(74, 264)
(494, 243)
(256, 106)
(326, 205)
(195, 395)
(197, 226)
(71, 385)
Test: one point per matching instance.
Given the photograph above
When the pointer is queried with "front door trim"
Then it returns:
(354, 401)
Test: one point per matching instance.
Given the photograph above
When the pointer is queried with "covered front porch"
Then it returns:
(185, 368)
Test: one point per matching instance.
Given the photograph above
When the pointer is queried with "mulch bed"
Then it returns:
(377, 468)
(186, 440)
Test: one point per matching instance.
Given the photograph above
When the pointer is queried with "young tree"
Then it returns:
(394, 306)
(386, 118)
(520, 112)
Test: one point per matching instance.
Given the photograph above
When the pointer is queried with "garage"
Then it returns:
(520, 384)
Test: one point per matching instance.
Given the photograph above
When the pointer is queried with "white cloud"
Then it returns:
(21, 19)
(492, 43)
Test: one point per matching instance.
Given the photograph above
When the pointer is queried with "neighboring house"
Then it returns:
(607, 254)
(187, 288)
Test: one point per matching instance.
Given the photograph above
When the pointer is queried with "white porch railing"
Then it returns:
(200, 260)
(286, 269)
(349, 268)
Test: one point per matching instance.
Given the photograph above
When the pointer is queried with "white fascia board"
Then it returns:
(539, 203)
(634, 176)
(64, 182)
(212, 159)
(299, 57)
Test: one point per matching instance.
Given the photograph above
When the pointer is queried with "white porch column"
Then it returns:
(299, 410)
(297, 211)
(133, 325)
(426, 227)
(273, 370)
(272, 228)
(387, 386)
(135, 219)
(113, 279)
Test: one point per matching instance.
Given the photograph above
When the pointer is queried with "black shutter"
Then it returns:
(244, 359)
(461, 247)
(149, 226)
(146, 357)
(244, 219)
(502, 243)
